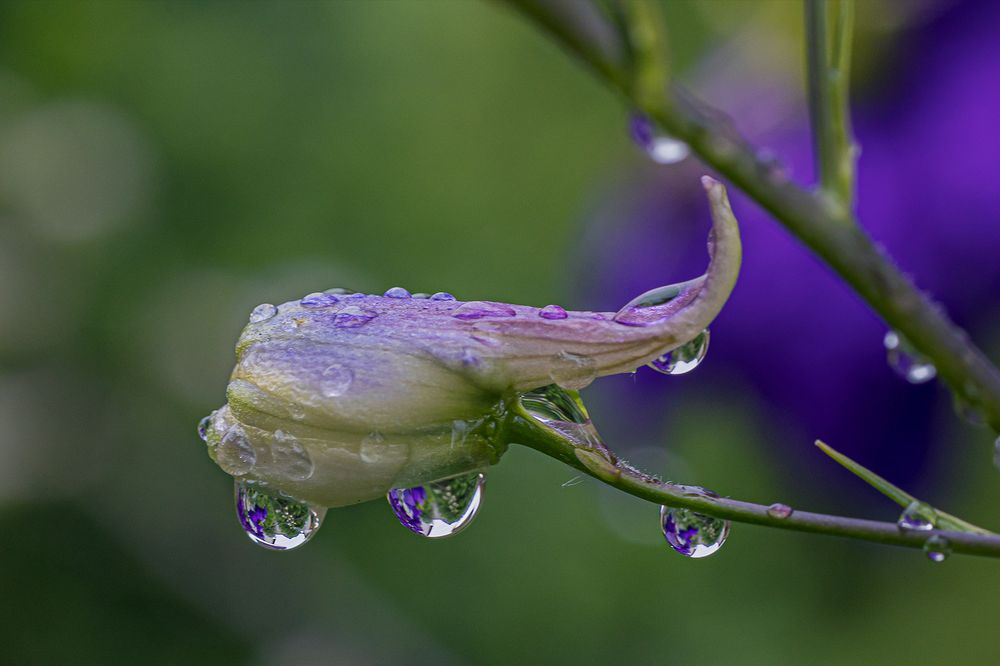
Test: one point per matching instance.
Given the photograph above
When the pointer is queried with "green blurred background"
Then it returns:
(165, 166)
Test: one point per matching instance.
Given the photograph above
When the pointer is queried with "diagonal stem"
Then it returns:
(830, 232)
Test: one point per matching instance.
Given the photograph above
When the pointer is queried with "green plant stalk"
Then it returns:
(518, 428)
(830, 231)
(895, 493)
(829, 27)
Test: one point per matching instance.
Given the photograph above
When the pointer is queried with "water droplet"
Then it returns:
(203, 427)
(235, 454)
(685, 358)
(572, 371)
(421, 295)
(779, 510)
(662, 148)
(335, 381)
(262, 312)
(274, 520)
(442, 296)
(397, 292)
(439, 509)
(562, 411)
(290, 457)
(917, 516)
(352, 317)
(459, 433)
(319, 299)
(338, 291)
(371, 447)
(693, 534)
(658, 304)
(906, 361)
(937, 548)
(480, 309)
(552, 312)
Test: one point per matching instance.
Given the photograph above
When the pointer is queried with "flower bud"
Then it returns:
(337, 397)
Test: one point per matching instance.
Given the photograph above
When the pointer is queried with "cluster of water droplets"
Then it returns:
(441, 508)
(661, 148)
(921, 517)
(906, 361)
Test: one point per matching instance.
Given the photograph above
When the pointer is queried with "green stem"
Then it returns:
(829, 231)
(601, 465)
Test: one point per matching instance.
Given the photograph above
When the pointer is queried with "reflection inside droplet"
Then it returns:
(439, 509)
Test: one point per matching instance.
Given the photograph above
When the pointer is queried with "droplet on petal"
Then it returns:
(683, 359)
(693, 534)
(335, 381)
(552, 312)
(352, 317)
(442, 296)
(319, 299)
(906, 361)
(917, 517)
(397, 292)
(262, 313)
(481, 309)
(290, 458)
(657, 304)
(439, 509)
(273, 519)
(573, 371)
(235, 454)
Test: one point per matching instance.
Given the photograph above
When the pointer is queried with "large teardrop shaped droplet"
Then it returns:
(693, 534)
(683, 359)
(562, 411)
(273, 519)
(908, 363)
(658, 304)
(439, 509)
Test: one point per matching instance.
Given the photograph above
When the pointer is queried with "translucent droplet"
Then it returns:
(693, 534)
(203, 427)
(906, 361)
(262, 312)
(442, 296)
(918, 517)
(319, 299)
(459, 433)
(562, 411)
(235, 454)
(274, 520)
(552, 312)
(658, 304)
(480, 309)
(338, 291)
(335, 381)
(572, 371)
(371, 447)
(937, 548)
(685, 358)
(663, 149)
(290, 458)
(352, 317)
(421, 295)
(779, 510)
(397, 292)
(439, 509)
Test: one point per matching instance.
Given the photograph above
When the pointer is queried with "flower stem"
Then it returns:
(602, 465)
(830, 231)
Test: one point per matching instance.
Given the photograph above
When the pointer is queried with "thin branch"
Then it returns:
(601, 465)
(844, 247)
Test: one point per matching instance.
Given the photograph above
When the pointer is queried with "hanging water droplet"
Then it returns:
(335, 381)
(693, 534)
(235, 454)
(906, 361)
(779, 510)
(352, 317)
(480, 309)
(683, 359)
(552, 312)
(262, 313)
(658, 304)
(439, 509)
(937, 548)
(203, 427)
(442, 296)
(562, 411)
(918, 517)
(274, 520)
(319, 299)
(397, 292)
(290, 458)
(572, 371)
(662, 148)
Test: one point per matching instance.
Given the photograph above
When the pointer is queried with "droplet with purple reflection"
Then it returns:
(482, 309)
(552, 312)
(683, 359)
(397, 292)
(693, 534)
(441, 508)
(273, 519)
